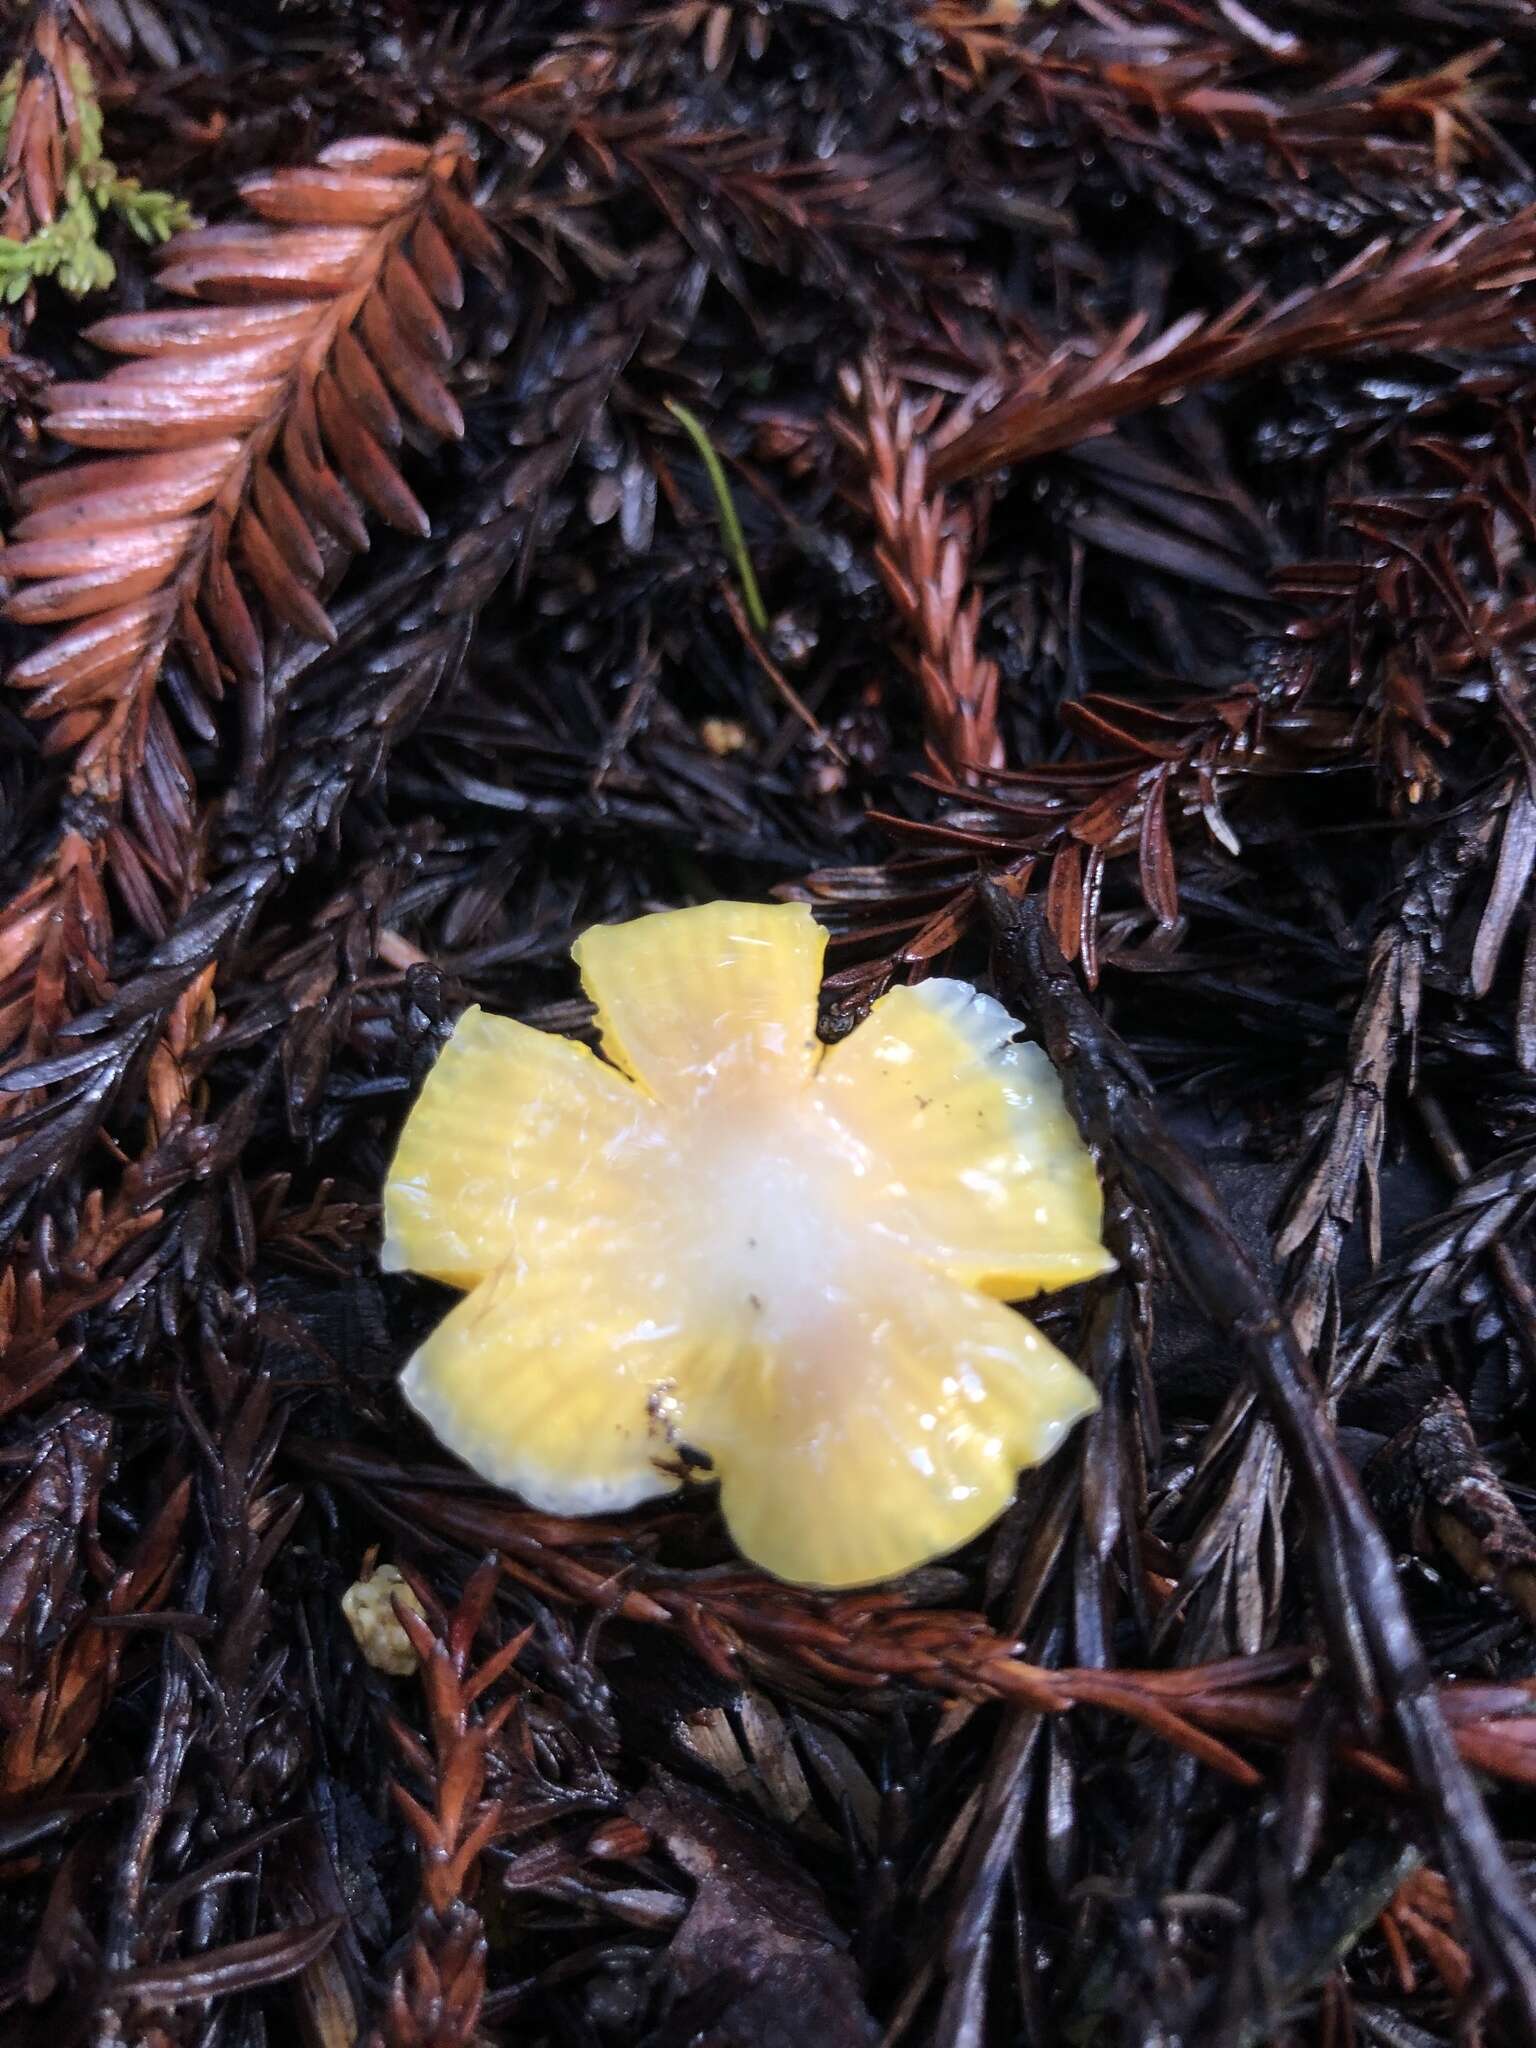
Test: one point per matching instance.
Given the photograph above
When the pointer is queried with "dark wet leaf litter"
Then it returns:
(1127, 412)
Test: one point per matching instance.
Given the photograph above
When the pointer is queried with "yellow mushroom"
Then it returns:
(725, 1241)
(371, 1605)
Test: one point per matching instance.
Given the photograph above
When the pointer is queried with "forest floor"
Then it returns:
(1127, 411)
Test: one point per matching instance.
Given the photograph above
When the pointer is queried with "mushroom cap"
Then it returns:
(726, 1245)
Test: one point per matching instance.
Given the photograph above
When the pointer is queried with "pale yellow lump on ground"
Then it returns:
(371, 1605)
(727, 1238)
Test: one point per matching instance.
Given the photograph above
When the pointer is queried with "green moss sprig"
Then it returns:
(68, 247)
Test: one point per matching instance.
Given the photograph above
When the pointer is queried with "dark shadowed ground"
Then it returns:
(1128, 412)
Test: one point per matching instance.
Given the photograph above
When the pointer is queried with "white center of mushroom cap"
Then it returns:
(771, 1209)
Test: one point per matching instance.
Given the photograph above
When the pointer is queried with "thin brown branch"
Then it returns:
(257, 428)
(439, 1988)
(1450, 287)
(924, 555)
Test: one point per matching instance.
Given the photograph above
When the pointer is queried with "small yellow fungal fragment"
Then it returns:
(369, 1605)
(723, 736)
(724, 1239)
